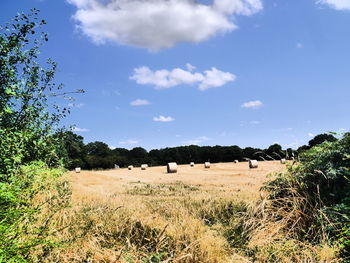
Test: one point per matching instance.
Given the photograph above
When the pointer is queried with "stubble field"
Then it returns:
(194, 215)
(234, 180)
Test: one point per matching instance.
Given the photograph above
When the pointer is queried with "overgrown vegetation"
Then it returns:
(307, 211)
(31, 190)
(28, 205)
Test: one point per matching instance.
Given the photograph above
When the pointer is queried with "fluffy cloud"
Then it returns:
(197, 141)
(157, 24)
(77, 129)
(129, 142)
(166, 79)
(139, 102)
(190, 67)
(215, 78)
(252, 104)
(162, 118)
(336, 4)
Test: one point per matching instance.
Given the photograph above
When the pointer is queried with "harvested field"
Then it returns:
(194, 215)
(230, 178)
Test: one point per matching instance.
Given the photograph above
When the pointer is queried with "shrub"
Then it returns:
(30, 191)
(315, 194)
(28, 204)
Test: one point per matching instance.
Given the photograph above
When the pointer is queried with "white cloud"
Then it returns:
(190, 67)
(129, 142)
(252, 104)
(164, 78)
(157, 24)
(77, 129)
(336, 4)
(139, 102)
(311, 134)
(215, 78)
(162, 118)
(197, 141)
(73, 105)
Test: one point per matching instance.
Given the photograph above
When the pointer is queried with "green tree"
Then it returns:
(275, 151)
(75, 149)
(29, 121)
(138, 153)
(318, 139)
(250, 153)
(97, 148)
(28, 114)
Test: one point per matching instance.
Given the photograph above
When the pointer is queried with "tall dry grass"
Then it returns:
(179, 222)
(141, 227)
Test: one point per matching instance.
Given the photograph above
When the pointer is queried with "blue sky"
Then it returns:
(224, 72)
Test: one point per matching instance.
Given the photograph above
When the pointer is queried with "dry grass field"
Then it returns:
(195, 215)
(220, 180)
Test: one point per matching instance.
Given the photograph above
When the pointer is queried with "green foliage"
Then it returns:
(320, 188)
(98, 149)
(28, 113)
(274, 151)
(321, 138)
(30, 192)
(74, 149)
(24, 227)
(22, 146)
(318, 139)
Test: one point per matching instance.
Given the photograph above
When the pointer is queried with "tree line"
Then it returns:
(95, 155)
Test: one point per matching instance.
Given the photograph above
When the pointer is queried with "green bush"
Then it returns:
(28, 204)
(319, 188)
(31, 192)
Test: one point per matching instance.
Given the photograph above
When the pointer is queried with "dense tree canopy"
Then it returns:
(318, 139)
(96, 155)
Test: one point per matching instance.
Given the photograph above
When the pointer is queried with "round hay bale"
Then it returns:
(78, 170)
(191, 164)
(283, 161)
(207, 165)
(253, 164)
(172, 168)
(144, 166)
(130, 167)
(236, 161)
